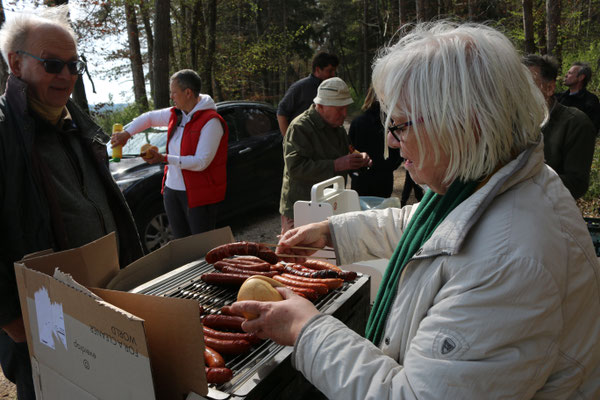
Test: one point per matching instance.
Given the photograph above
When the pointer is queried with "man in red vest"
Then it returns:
(196, 159)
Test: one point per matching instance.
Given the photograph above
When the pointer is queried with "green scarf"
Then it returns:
(432, 210)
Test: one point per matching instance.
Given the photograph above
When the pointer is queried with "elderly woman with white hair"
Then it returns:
(492, 290)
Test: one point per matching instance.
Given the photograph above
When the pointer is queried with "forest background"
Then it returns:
(255, 49)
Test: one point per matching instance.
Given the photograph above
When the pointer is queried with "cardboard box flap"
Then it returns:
(169, 257)
(77, 336)
(93, 264)
(175, 339)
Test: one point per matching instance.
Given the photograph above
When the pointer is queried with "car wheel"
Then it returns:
(153, 227)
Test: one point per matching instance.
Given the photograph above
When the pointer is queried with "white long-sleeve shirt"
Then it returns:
(210, 137)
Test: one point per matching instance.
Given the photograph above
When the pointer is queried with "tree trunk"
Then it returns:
(211, 36)
(150, 39)
(421, 8)
(161, 54)
(552, 24)
(135, 56)
(3, 66)
(195, 32)
(365, 43)
(528, 26)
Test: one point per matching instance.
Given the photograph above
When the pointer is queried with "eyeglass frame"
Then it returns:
(78, 65)
(393, 128)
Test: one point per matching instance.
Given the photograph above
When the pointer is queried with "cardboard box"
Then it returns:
(89, 342)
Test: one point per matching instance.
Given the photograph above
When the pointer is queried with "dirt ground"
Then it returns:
(263, 225)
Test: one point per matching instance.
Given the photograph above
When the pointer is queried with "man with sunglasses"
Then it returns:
(56, 191)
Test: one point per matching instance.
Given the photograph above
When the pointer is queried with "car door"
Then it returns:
(255, 158)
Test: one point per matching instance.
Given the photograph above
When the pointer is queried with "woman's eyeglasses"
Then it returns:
(55, 66)
(399, 128)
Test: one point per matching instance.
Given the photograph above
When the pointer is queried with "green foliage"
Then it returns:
(123, 116)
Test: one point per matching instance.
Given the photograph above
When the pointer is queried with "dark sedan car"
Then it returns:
(254, 170)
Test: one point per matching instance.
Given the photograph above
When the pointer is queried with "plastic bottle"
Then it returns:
(117, 151)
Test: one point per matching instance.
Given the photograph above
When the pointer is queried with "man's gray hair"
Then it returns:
(15, 31)
(188, 79)
(467, 85)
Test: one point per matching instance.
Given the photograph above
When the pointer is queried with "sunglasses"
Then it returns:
(399, 128)
(55, 66)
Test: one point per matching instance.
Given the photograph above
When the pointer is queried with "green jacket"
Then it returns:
(310, 148)
(569, 138)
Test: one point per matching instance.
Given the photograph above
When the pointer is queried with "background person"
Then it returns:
(366, 135)
(492, 290)
(569, 135)
(577, 95)
(56, 191)
(300, 95)
(195, 175)
(316, 147)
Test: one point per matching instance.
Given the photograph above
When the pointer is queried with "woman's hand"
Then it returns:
(154, 157)
(312, 235)
(119, 138)
(280, 321)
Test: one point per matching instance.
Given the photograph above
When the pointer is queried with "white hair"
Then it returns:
(467, 85)
(16, 30)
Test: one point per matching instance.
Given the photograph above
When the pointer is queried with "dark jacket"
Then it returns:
(585, 101)
(299, 97)
(366, 135)
(569, 139)
(25, 212)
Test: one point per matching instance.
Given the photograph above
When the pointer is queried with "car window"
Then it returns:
(230, 119)
(257, 122)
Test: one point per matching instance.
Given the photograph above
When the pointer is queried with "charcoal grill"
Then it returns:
(265, 372)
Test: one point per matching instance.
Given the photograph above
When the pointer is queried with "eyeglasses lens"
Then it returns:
(56, 66)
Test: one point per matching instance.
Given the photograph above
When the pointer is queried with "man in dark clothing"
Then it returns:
(569, 135)
(300, 95)
(56, 191)
(577, 95)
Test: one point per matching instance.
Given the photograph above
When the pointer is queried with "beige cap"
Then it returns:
(333, 92)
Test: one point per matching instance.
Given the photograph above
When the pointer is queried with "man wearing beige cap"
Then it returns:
(316, 147)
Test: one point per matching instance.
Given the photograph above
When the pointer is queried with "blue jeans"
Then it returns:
(187, 221)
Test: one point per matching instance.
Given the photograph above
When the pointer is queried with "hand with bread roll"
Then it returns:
(278, 320)
(151, 155)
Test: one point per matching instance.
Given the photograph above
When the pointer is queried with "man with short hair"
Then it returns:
(577, 95)
(301, 94)
(316, 147)
(569, 135)
(56, 191)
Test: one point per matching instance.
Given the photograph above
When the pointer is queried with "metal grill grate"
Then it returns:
(185, 283)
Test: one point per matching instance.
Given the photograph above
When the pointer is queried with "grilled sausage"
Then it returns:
(249, 272)
(241, 248)
(304, 292)
(332, 283)
(223, 322)
(326, 273)
(218, 376)
(212, 358)
(317, 287)
(218, 278)
(250, 337)
(238, 346)
(256, 267)
(320, 265)
(250, 263)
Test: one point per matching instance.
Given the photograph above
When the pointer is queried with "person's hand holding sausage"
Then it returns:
(280, 321)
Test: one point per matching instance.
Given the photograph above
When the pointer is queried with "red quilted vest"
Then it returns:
(207, 186)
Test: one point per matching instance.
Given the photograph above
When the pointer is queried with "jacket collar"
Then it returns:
(450, 235)
(316, 118)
